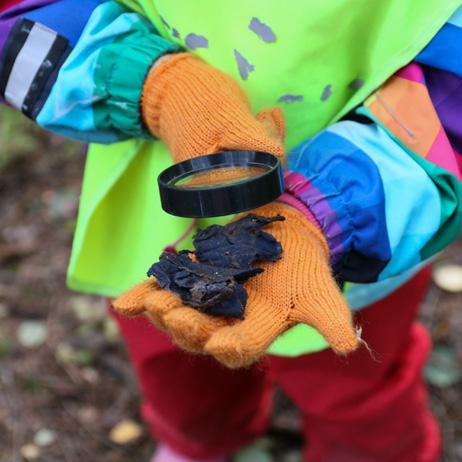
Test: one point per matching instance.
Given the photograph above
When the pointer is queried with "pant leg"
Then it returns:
(361, 409)
(192, 403)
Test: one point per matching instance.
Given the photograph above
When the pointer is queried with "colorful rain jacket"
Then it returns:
(372, 96)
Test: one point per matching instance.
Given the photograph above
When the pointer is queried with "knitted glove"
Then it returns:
(297, 288)
(196, 109)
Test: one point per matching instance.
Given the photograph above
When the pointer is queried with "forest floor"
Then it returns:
(65, 380)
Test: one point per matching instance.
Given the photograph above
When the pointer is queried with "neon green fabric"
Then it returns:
(327, 53)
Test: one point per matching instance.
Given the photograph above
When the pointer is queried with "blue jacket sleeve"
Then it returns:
(77, 67)
(385, 183)
(383, 208)
(380, 209)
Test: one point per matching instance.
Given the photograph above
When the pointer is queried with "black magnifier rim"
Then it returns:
(220, 200)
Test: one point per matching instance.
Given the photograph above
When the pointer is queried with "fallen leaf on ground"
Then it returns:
(44, 437)
(32, 334)
(448, 277)
(66, 354)
(126, 432)
(443, 369)
(111, 330)
(87, 309)
(30, 452)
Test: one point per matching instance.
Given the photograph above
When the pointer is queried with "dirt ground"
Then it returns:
(64, 372)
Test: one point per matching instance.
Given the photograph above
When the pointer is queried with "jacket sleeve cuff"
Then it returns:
(125, 79)
(291, 200)
(298, 188)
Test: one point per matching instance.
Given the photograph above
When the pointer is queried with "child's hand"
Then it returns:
(196, 109)
(297, 288)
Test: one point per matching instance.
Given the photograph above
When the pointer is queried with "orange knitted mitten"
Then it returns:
(299, 288)
(196, 109)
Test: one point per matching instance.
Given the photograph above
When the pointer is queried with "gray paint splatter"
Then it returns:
(262, 30)
(356, 84)
(175, 33)
(164, 22)
(194, 41)
(245, 68)
(327, 92)
(288, 98)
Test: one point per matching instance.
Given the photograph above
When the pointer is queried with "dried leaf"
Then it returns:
(32, 334)
(87, 309)
(443, 369)
(238, 244)
(126, 432)
(44, 437)
(214, 289)
(66, 354)
(111, 330)
(448, 277)
(225, 257)
(30, 452)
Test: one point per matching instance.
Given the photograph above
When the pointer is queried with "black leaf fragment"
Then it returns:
(238, 244)
(203, 286)
(225, 257)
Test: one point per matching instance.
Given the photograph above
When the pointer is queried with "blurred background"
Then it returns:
(66, 388)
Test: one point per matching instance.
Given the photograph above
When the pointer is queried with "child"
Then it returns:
(373, 190)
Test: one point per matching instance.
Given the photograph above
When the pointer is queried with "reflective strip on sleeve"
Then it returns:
(31, 58)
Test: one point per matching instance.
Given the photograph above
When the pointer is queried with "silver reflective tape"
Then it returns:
(27, 63)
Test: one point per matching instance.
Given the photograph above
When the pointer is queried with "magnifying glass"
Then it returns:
(220, 184)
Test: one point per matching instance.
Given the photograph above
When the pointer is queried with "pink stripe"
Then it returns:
(442, 154)
(459, 160)
(286, 198)
(296, 183)
(411, 72)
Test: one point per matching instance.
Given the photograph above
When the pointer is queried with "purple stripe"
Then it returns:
(445, 89)
(317, 202)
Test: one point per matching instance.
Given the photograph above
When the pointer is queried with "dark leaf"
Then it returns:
(238, 244)
(225, 256)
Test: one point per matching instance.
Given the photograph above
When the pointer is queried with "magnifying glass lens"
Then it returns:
(223, 183)
(221, 176)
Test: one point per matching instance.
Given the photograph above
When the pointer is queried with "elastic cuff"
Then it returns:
(301, 191)
(125, 82)
(286, 198)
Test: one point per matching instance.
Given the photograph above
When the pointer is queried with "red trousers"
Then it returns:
(355, 409)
